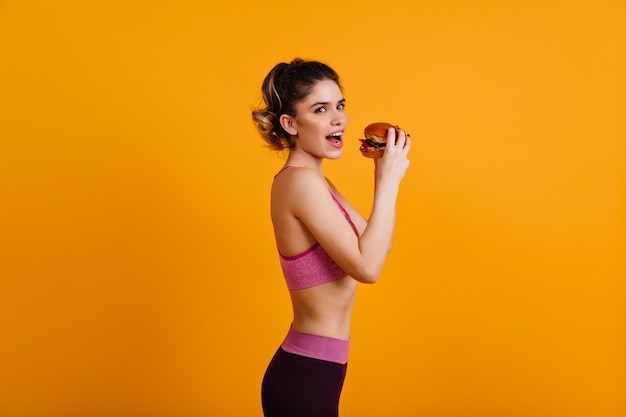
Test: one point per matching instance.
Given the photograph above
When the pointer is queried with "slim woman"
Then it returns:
(326, 248)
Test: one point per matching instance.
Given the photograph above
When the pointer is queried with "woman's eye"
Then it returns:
(320, 110)
(341, 106)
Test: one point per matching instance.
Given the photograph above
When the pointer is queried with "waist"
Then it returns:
(317, 346)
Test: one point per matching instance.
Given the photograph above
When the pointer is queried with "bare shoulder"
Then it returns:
(296, 174)
(297, 183)
(299, 199)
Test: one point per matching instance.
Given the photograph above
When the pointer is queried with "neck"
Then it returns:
(301, 159)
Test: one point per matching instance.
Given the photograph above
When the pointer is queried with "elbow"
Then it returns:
(368, 276)
(371, 280)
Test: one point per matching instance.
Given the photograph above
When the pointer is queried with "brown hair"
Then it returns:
(285, 86)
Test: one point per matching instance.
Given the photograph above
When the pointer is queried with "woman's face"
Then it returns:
(320, 121)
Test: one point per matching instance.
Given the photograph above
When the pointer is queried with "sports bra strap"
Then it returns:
(284, 168)
(345, 213)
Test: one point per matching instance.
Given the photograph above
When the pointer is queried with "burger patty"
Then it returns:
(369, 143)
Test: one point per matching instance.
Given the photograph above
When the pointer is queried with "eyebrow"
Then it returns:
(343, 100)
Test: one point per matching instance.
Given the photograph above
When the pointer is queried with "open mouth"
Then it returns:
(335, 138)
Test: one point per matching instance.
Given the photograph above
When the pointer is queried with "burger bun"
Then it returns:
(373, 146)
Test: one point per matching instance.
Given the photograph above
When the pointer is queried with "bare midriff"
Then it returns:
(325, 310)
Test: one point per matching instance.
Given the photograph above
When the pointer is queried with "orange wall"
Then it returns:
(138, 273)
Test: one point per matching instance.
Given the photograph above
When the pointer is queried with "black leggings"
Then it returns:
(299, 386)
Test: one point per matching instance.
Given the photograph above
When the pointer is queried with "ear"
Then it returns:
(289, 124)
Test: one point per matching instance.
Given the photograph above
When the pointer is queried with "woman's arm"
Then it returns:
(309, 200)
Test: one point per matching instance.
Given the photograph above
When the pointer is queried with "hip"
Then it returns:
(316, 346)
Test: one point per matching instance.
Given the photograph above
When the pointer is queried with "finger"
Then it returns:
(407, 144)
(391, 136)
(401, 138)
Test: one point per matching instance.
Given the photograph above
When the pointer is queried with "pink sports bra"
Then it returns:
(313, 266)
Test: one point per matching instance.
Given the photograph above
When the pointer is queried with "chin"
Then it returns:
(336, 154)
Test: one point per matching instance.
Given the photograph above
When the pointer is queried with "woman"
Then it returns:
(325, 247)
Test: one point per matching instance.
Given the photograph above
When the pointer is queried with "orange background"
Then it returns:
(139, 275)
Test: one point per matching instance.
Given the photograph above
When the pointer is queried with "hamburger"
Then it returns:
(375, 140)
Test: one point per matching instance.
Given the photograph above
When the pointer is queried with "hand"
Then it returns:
(392, 165)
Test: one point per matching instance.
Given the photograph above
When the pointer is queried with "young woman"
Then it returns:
(324, 245)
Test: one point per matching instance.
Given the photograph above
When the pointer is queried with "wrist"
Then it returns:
(386, 185)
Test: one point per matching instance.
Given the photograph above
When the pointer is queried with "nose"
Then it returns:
(339, 117)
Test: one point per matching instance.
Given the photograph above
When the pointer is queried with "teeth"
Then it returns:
(336, 137)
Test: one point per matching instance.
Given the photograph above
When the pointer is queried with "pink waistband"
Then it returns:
(315, 346)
